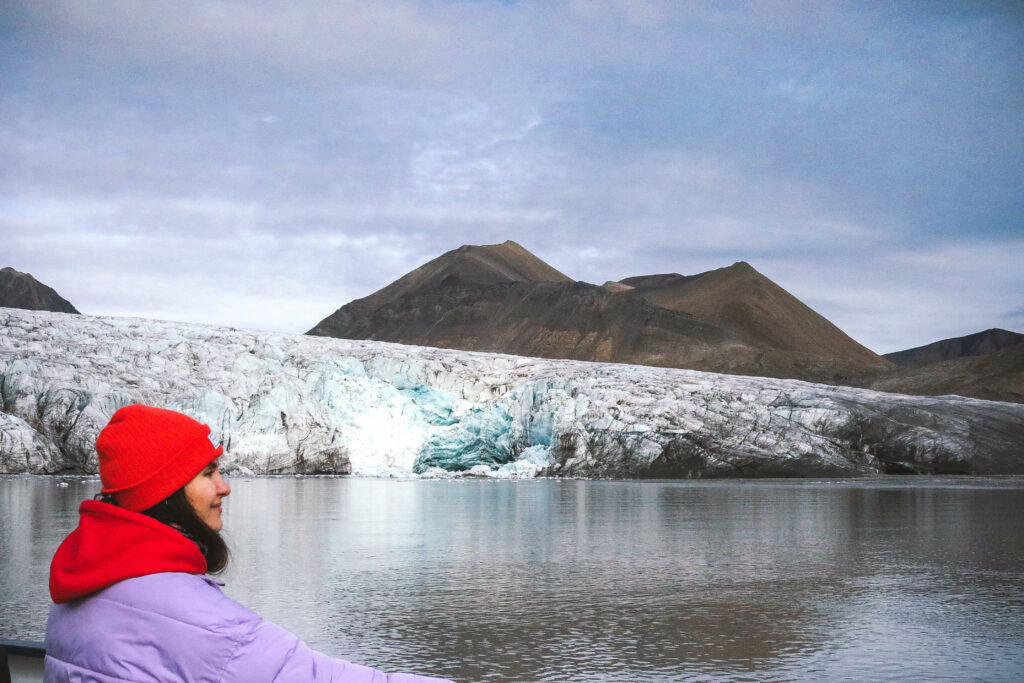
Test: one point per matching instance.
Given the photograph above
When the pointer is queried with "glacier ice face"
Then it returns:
(297, 404)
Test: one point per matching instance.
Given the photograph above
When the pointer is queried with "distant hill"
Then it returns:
(764, 315)
(987, 365)
(21, 290)
(503, 298)
(997, 376)
(977, 344)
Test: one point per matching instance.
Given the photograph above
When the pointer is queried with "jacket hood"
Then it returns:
(112, 544)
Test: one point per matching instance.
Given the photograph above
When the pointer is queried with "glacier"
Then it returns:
(295, 404)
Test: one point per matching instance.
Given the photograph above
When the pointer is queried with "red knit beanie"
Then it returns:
(146, 454)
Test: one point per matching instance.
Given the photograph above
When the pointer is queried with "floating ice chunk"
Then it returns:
(531, 461)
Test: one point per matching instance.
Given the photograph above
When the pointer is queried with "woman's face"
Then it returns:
(205, 493)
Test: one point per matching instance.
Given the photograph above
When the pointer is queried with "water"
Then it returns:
(874, 579)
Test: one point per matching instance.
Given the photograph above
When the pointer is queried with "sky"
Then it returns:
(260, 164)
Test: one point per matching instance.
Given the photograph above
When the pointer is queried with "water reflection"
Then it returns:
(35, 515)
(575, 580)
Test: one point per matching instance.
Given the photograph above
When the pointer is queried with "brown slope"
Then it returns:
(977, 344)
(472, 264)
(758, 311)
(502, 298)
(997, 376)
(573, 320)
(21, 290)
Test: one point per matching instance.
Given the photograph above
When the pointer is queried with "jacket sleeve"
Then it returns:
(270, 653)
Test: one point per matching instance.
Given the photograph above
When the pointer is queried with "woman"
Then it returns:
(132, 598)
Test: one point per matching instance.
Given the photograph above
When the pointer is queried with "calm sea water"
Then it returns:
(869, 579)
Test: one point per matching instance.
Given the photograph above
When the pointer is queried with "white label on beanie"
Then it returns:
(213, 439)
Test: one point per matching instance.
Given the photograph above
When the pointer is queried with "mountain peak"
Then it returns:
(500, 297)
(491, 263)
(21, 290)
(741, 267)
(749, 304)
(468, 265)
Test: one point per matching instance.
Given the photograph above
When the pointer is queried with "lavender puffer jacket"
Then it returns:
(180, 627)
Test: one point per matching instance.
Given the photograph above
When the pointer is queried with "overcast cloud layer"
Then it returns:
(260, 164)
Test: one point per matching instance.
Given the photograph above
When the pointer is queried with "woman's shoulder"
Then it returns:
(182, 619)
(193, 599)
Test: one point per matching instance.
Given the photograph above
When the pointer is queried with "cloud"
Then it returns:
(236, 151)
(907, 297)
(340, 38)
(1015, 319)
(235, 276)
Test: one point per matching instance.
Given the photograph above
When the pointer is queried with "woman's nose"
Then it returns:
(222, 486)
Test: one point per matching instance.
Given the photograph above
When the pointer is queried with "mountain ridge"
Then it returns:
(981, 343)
(756, 309)
(997, 376)
(477, 264)
(502, 298)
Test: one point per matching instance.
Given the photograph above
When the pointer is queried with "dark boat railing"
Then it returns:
(18, 648)
(23, 648)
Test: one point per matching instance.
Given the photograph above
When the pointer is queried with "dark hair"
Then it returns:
(175, 511)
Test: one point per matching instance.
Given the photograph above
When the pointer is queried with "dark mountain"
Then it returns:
(503, 298)
(977, 344)
(472, 265)
(987, 365)
(21, 290)
(548, 319)
(764, 315)
(997, 376)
